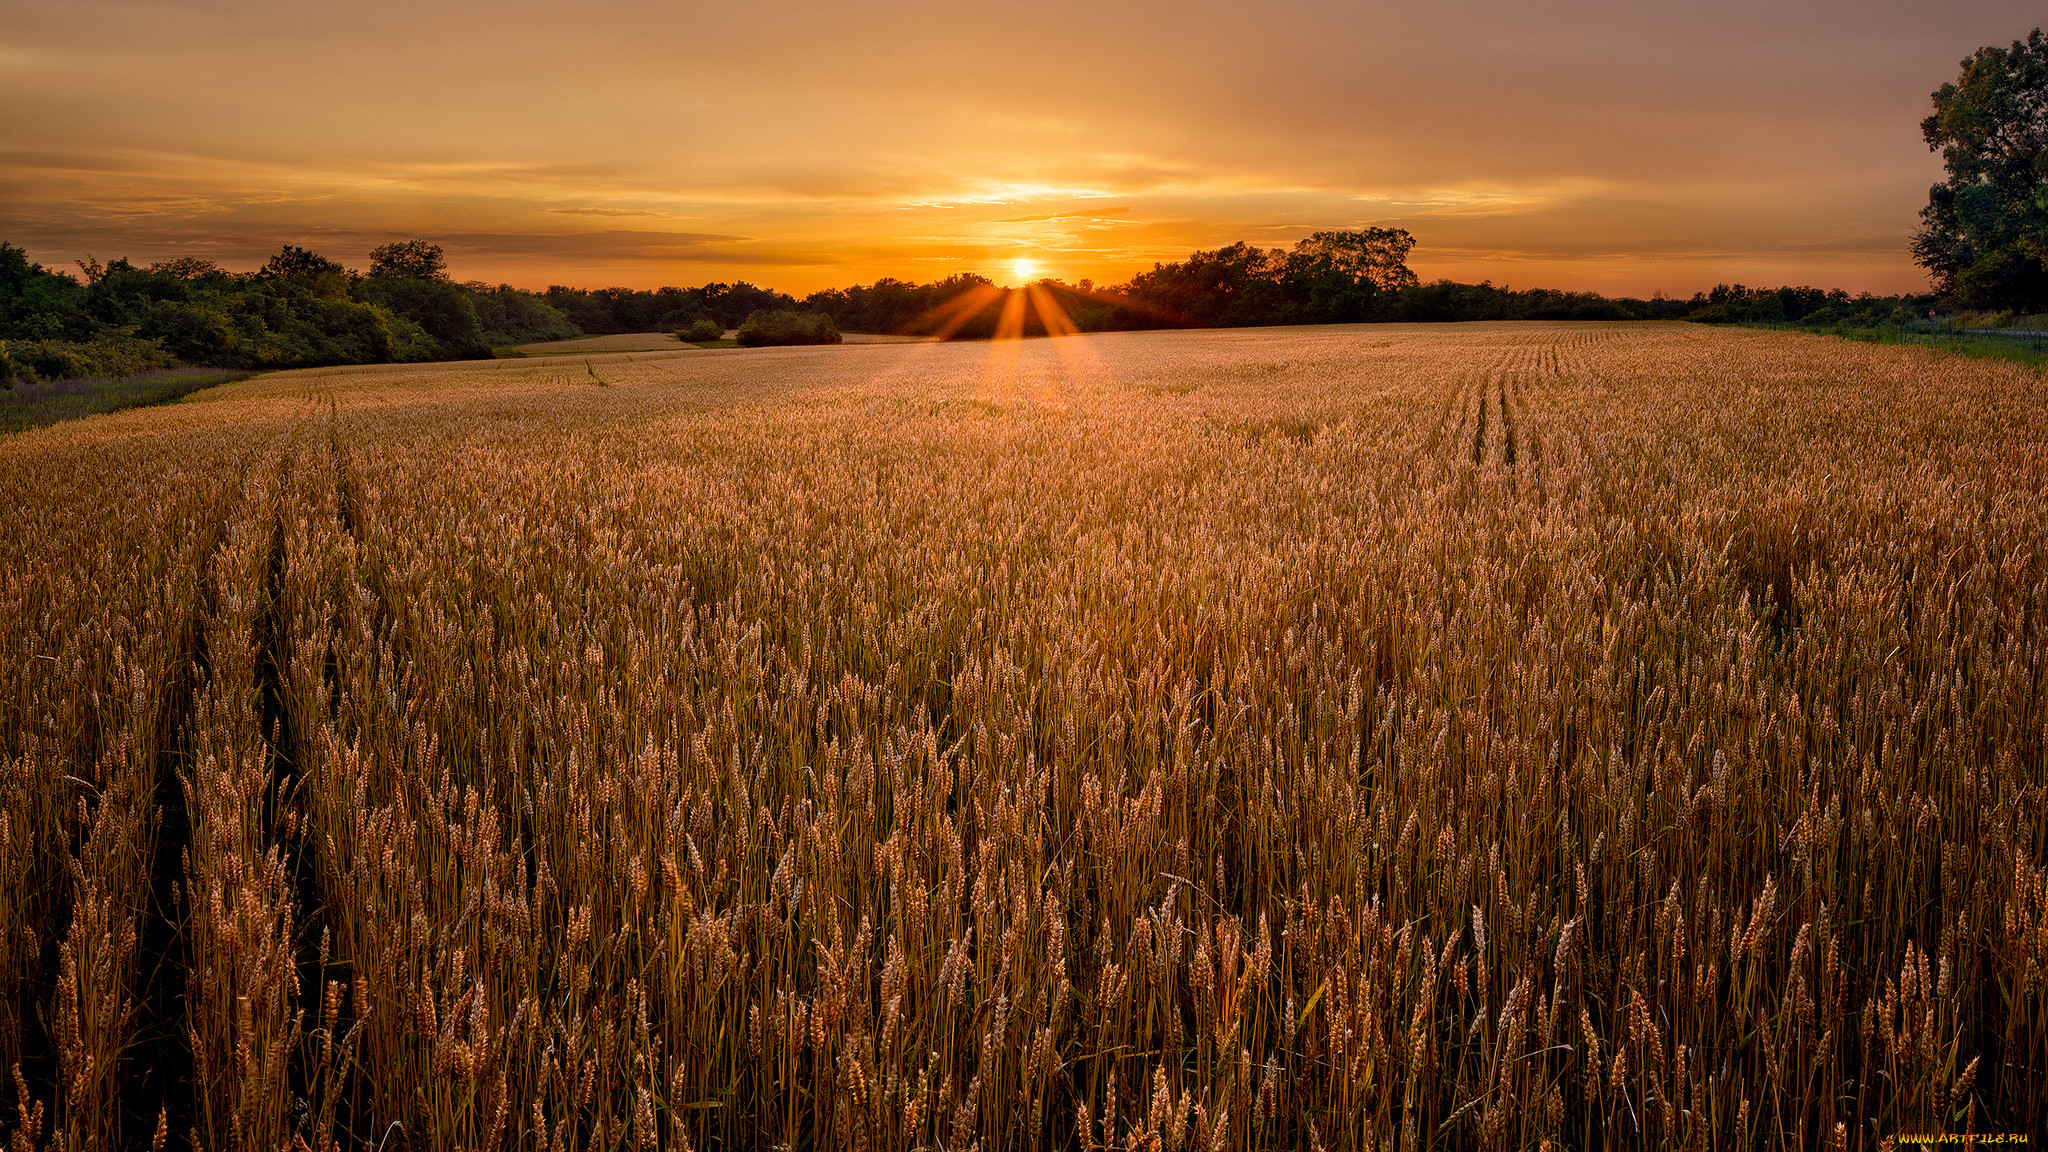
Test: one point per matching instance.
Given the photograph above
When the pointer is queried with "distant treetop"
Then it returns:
(408, 260)
(295, 263)
(185, 268)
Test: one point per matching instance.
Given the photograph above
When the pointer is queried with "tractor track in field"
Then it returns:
(285, 802)
(1479, 427)
(1432, 445)
(159, 1059)
(158, 1066)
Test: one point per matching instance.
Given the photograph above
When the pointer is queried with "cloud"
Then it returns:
(1077, 214)
(611, 245)
(603, 212)
(1594, 140)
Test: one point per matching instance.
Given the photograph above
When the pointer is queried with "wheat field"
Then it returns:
(1496, 736)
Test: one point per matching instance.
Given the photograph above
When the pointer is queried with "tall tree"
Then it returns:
(1376, 255)
(1984, 232)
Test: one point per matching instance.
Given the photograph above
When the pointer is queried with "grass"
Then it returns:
(1502, 736)
(720, 343)
(2037, 322)
(51, 401)
(2028, 350)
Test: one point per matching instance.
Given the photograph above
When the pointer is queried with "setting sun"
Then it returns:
(1024, 269)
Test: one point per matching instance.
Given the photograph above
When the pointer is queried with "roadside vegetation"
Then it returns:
(1988, 345)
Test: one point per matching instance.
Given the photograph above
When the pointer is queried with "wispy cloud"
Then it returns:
(1076, 214)
(603, 212)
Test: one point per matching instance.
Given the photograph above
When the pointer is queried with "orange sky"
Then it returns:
(800, 144)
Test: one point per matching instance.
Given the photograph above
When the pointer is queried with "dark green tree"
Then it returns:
(307, 270)
(1984, 232)
(38, 304)
(408, 260)
(510, 316)
(445, 310)
(10, 372)
(293, 262)
(187, 268)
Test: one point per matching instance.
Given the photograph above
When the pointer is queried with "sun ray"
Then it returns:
(1133, 304)
(1050, 314)
(958, 312)
(1077, 354)
(1011, 325)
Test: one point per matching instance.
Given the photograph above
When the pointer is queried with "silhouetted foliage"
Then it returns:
(1377, 255)
(1984, 233)
(604, 311)
(306, 268)
(408, 260)
(189, 269)
(1331, 277)
(1805, 307)
(38, 304)
(898, 307)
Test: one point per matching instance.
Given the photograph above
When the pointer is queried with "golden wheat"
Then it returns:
(1348, 738)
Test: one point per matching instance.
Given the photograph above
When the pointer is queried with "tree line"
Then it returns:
(299, 309)
(302, 309)
(1243, 286)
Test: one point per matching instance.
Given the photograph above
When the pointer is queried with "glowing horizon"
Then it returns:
(1601, 147)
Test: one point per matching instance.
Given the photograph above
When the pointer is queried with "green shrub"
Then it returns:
(112, 355)
(765, 328)
(702, 330)
(13, 372)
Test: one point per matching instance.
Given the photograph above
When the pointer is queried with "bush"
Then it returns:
(13, 372)
(765, 328)
(109, 356)
(702, 330)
